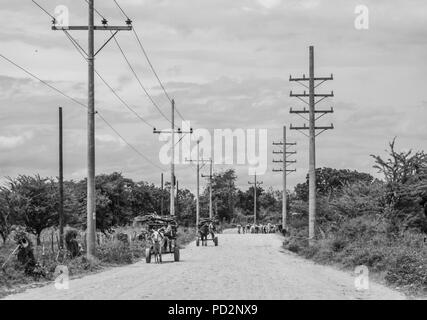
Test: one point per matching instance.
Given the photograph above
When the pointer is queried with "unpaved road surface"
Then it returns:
(245, 266)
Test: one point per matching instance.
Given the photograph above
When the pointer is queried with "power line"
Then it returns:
(124, 140)
(139, 81)
(45, 11)
(74, 42)
(97, 12)
(83, 105)
(124, 13)
(44, 82)
(151, 65)
(80, 49)
(138, 39)
(154, 71)
(123, 102)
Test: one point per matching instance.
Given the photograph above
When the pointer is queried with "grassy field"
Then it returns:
(111, 253)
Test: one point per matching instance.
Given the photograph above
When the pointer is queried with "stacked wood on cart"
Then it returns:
(206, 232)
(160, 235)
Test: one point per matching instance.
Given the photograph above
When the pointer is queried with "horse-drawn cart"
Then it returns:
(205, 228)
(160, 236)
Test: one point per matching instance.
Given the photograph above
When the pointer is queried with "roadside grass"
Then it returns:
(400, 262)
(111, 253)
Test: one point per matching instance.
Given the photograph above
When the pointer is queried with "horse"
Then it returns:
(157, 242)
(252, 229)
(203, 232)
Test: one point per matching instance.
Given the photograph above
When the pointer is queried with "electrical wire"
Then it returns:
(73, 41)
(83, 105)
(148, 60)
(140, 82)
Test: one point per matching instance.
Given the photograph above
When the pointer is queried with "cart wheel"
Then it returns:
(148, 255)
(216, 241)
(176, 254)
(197, 242)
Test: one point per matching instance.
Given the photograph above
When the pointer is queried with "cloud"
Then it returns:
(269, 4)
(11, 142)
(227, 64)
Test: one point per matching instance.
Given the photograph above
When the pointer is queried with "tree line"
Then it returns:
(32, 201)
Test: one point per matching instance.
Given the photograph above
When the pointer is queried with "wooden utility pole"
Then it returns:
(176, 197)
(198, 161)
(161, 195)
(255, 184)
(198, 186)
(172, 132)
(61, 183)
(90, 56)
(285, 171)
(172, 204)
(210, 176)
(313, 117)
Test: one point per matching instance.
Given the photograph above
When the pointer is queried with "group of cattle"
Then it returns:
(258, 228)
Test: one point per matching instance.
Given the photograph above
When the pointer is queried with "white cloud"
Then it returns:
(10, 142)
(269, 4)
(107, 138)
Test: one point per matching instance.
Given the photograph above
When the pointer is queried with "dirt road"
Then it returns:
(250, 266)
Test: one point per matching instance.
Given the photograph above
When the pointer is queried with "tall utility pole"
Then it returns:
(177, 198)
(198, 161)
(210, 176)
(255, 184)
(172, 132)
(314, 115)
(161, 195)
(285, 172)
(90, 56)
(61, 183)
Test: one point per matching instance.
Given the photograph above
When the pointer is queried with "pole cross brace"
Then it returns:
(306, 95)
(305, 127)
(304, 78)
(179, 131)
(86, 28)
(308, 111)
(281, 161)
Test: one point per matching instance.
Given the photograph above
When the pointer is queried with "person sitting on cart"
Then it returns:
(169, 234)
(212, 229)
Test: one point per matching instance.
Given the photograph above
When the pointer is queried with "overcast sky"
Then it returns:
(227, 64)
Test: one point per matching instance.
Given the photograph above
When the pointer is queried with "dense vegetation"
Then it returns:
(365, 221)
(32, 202)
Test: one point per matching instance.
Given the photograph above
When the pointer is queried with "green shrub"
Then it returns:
(408, 269)
(115, 252)
(338, 244)
(294, 247)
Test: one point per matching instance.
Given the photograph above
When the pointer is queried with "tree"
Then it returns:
(6, 213)
(405, 175)
(115, 198)
(35, 202)
(224, 193)
(186, 212)
(330, 182)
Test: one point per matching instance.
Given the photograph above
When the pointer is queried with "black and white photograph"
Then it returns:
(213, 155)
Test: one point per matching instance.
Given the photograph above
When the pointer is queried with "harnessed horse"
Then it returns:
(204, 231)
(157, 242)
